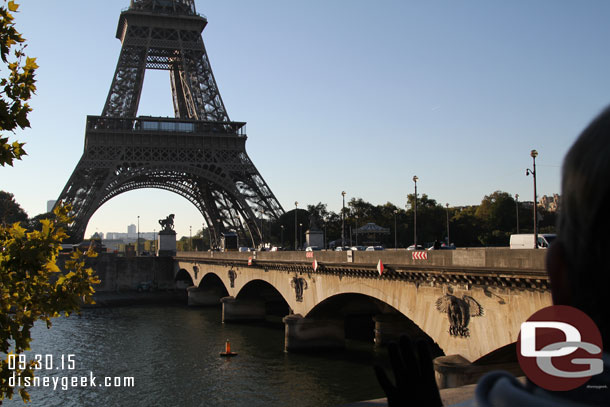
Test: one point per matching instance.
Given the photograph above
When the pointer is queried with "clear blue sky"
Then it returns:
(339, 95)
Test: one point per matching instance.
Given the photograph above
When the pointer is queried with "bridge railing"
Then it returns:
(526, 260)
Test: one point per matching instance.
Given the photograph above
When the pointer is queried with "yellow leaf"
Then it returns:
(52, 267)
(12, 6)
(30, 63)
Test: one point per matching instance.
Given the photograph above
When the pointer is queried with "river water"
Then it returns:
(172, 353)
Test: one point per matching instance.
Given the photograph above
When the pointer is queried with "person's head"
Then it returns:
(579, 263)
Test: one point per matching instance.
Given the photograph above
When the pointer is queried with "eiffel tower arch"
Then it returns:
(200, 154)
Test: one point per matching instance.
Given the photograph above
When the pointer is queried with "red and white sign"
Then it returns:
(315, 265)
(309, 255)
(249, 261)
(423, 255)
(380, 267)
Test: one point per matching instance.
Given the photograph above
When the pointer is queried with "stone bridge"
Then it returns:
(467, 302)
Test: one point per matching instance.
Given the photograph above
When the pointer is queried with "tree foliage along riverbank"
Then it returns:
(488, 224)
(32, 288)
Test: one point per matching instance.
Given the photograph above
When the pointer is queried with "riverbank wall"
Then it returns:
(117, 273)
(105, 299)
(133, 280)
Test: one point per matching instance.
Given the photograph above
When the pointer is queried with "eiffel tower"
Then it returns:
(200, 154)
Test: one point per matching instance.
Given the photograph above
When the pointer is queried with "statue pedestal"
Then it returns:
(315, 238)
(166, 243)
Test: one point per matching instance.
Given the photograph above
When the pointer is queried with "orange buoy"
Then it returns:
(227, 351)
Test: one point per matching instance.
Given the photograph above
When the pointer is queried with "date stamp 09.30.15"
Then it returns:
(58, 372)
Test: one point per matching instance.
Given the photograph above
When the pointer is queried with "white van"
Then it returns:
(526, 241)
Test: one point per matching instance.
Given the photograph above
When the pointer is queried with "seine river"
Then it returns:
(172, 353)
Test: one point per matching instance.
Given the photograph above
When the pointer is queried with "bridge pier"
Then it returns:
(306, 334)
(202, 297)
(234, 310)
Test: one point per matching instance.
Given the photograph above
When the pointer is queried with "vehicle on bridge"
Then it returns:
(443, 246)
(374, 248)
(526, 241)
(358, 248)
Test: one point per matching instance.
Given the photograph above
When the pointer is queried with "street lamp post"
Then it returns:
(138, 241)
(395, 235)
(281, 235)
(356, 231)
(262, 211)
(300, 233)
(154, 244)
(204, 226)
(217, 234)
(296, 205)
(325, 244)
(415, 214)
(190, 238)
(343, 220)
(448, 240)
(517, 205)
(534, 154)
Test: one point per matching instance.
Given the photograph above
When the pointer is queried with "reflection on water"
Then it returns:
(173, 355)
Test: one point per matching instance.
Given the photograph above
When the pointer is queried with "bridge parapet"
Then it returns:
(482, 267)
(473, 257)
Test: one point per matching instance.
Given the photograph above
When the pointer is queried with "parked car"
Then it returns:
(419, 247)
(312, 249)
(374, 248)
(245, 249)
(444, 246)
(358, 248)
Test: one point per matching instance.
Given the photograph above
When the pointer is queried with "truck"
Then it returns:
(526, 241)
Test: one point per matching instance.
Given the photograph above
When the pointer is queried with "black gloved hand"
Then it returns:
(414, 375)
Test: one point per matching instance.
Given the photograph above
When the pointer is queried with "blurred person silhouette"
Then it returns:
(578, 265)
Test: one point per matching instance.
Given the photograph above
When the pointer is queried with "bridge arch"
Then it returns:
(183, 279)
(212, 282)
(368, 318)
(262, 291)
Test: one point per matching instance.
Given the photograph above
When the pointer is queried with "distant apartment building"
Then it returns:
(128, 237)
(132, 231)
(550, 203)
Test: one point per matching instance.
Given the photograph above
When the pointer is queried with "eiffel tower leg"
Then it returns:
(82, 192)
(180, 109)
(124, 95)
(199, 87)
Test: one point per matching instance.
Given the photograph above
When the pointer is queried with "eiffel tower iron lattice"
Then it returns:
(200, 154)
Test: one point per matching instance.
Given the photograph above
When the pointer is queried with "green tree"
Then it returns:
(465, 226)
(10, 211)
(32, 287)
(497, 212)
(17, 88)
(288, 221)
